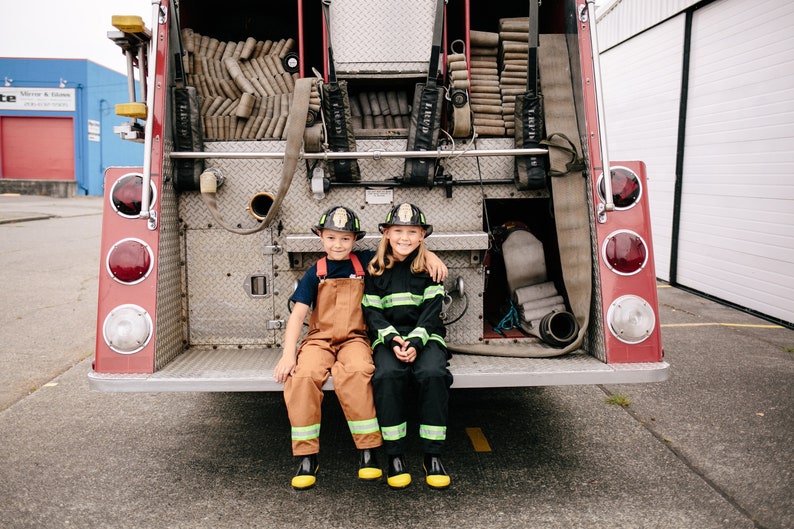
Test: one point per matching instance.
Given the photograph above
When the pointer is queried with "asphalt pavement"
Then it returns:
(711, 447)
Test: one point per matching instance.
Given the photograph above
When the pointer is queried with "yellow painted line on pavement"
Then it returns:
(750, 325)
(478, 440)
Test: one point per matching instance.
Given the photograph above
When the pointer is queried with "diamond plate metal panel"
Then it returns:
(169, 314)
(251, 369)
(243, 179)
(219, 309)
(393, 37)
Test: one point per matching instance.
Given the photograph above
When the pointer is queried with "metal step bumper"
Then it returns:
(206, 369)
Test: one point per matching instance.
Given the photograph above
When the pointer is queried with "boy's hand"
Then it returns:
(435, 267)
(284, 368)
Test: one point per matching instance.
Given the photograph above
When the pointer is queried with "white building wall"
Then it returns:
(737, 210)
(642, 88)
(736, 229)
(619, 20)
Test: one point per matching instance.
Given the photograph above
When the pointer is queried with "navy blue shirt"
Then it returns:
(306, 292)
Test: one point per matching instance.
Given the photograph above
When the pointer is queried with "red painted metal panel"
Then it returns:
(36, 148)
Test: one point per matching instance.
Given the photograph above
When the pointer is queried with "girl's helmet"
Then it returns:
(340, 218)
(406, 214)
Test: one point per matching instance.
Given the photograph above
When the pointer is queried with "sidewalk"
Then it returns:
(20, 208)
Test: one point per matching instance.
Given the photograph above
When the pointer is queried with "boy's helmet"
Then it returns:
(406, 214)
(339, 218)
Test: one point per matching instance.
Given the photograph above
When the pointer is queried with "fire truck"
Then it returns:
(258, 117)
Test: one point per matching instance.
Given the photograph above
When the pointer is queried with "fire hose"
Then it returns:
(296, 124)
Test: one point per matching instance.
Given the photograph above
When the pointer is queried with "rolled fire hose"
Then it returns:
(295, 126)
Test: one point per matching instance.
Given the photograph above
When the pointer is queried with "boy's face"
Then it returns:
(337, 244)
(403, 239)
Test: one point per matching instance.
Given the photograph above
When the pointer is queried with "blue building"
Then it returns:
(56, 126)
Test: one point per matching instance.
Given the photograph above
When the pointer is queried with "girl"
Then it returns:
(402, 307)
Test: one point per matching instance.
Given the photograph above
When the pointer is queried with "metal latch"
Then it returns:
(272, 325)
(272, 249)
(255, 285)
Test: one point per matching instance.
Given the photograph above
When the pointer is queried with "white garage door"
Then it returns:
(737, 211)
(642, 88)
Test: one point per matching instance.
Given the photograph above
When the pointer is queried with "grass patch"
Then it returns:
(618, 399)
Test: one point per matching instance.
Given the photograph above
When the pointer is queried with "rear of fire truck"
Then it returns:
(256, 118)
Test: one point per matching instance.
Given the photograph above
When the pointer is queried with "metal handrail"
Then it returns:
(609, 204)
(151, 74)
(368, 155)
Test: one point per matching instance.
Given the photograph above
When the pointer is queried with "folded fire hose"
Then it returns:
(336, 107)
(296, 123)
(569, 191)
(425, 120)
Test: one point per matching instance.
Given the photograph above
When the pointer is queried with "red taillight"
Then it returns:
(625, 252)
(626, 188)
(126, 195)
(129, 261)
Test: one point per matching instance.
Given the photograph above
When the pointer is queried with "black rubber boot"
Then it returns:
(435, 474)
(368, 468)
(398, 477)
(306, 476)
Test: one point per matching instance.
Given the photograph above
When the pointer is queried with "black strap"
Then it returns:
(327, 16)
(438, 36)
(534, 42)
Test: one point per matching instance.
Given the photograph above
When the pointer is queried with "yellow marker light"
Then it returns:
(128, 23)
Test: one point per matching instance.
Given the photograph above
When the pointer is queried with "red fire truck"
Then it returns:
(259, 117)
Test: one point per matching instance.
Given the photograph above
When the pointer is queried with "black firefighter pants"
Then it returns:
(392, 379)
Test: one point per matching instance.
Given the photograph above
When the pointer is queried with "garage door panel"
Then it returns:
(736, 235)
(37, 148)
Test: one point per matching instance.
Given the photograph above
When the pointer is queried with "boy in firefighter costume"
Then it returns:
(336, 342)
(402, 306)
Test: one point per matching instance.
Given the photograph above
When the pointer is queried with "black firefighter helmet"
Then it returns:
(339, 218)
(406, 214)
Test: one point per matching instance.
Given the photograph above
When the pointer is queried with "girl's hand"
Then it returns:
(404, 351)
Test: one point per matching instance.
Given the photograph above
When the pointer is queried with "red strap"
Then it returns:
(357, 268)
(322, 266)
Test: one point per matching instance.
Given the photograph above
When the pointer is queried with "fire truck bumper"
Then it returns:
(221, 370)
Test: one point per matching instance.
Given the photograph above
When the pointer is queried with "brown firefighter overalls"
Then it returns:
(337, 341)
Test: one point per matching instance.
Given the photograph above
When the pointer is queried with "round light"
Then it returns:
(631, 319)
(126, 195)
(130, 261)
(127, 329)
(626, 187)
(625, 252)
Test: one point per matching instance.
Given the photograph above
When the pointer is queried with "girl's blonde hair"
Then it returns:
(384, 259)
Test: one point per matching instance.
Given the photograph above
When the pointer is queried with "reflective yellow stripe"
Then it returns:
(434, 433)
(394, 433)
(363, 427)
(305, 433)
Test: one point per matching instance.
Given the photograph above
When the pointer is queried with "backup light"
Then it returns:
(129, 261)
(127, 329)
(626, 187)
(625, 252)
(631, 319)
(126, 195)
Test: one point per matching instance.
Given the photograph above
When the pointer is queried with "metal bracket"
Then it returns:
(273, 325)
(272, 249)
(151, 220)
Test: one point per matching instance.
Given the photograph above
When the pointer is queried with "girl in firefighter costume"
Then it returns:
(402, 306)
(336, 343)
